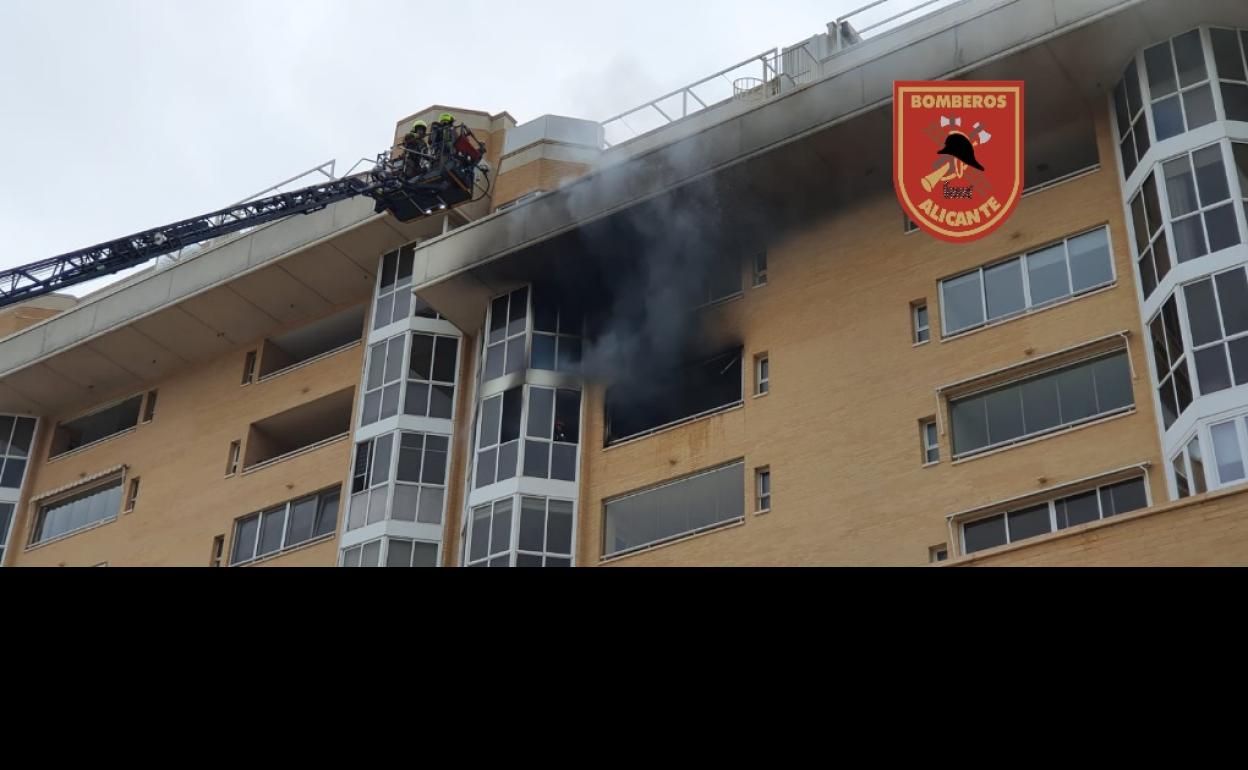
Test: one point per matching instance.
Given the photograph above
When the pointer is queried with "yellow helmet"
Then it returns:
(419, 124)
(446, 118)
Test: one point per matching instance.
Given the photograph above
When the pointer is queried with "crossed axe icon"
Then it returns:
(959, 146)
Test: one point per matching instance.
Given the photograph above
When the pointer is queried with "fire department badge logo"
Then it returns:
(958, 155)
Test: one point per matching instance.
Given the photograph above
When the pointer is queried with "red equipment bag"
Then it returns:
(468, 148)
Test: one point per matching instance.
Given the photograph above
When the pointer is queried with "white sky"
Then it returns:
(121, 115)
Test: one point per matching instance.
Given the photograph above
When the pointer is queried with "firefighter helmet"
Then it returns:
(418, 125)
(446, 118)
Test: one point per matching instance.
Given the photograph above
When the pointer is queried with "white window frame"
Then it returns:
(286, 509)
(383, 553)
(387, 381)
(551, 443)
(1202, 208)
(762, 375)
(132, 495)
(497, 443)
(1160, 234)
(562, 338)
(930, 434)
(372, 486)
(233, 459)
(431, 383)
(422, 485)
(520, 338)
(762, 490)
(6, 444)
(1224, 341)
(6, 529)
(1133, 117)
(1180, 90)
(546, 555)
(492, 556)
(1185, 359)
(1241, 432)
(922, 329)
(394, 291)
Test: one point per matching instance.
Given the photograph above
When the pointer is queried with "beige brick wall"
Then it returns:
(542, 174)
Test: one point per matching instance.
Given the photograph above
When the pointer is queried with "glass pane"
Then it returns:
(1189, 56)
(1120, 109)
(508, 457)
(1113, 383)
(1210, 175)
(500, 534)
(1046, 271)
(425, 556)
(1127, 152)
(543, 352)
(1124, 498)
(377, 503)
(411, 453)
(480, 535)
(537, 459)
(327, 515)
(568, 416)
(1181, 187)
(1223, 228)
(381, 460)
(982, 535)
(1160, 69)
(1239, 360)
(513, 403)
(407, 260)
(1148, 275)
(559, 527)
(1160, 355)
(532, 524)
(487, 467)
(12, 476)
(1235, 99)
(1168, 118)
(491, 413)
(390, 400)
(302, 521)
(351, 558)
(1003, 285)
(446, 359)
(6, 430)
(545, 310)
(515, 356)
(1132, 79)
(389, 266)
(435, 461)
(359, 511)
(244, 539)
(1089, 260)
(1078, 510)
(442, 402)
(970, 425)
(1077, 393)
(518, 318)
(1183, 386)
(1030, 523)
(1142, 142)
(1197, 461)
(963, 302)
(1169, 404)
(1233, 293)
(553, 563)
(498, 320)
(1161, 256)
(1199, 105)
(1226, 54)
(494, 359)
(1152, 204)
(376, 366)
(1228, 453)
(384, 312)
(370, 412)
(399, 554)
(371, 554)
(541, 412)
(1202, 312)
(271, 532)
(563, 463)
(1189, 239)
(394, 359)
(402, 305)
(1040, 405)
(1005, 415)
(406, 501)
(569, 354)
(431, 505)
(1212, 370)
(416, 403)
(421, 360)
(524, 561)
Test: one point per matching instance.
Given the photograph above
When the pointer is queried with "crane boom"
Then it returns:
(441, 180)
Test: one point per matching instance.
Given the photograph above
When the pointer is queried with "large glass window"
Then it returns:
(16, 434)
(498, 438)
(383, 384)
(552, 435)
(1178, 83)
(370, 482)
(394, 295)
(285, 526)
(79, 511)
(1229, 50)
(398, 552)
(420, 491)
(556, 334)
(1132, 126)
(505, 340)
(545, 534)
(1239, 151)
(1170, 357)
(1201, 212)
(1043, 404)
(678, 509)
(1150, 236)
(96, 426)
(489, 543)
(1074, 266)
(1230, 439)
(431, 376)
(6, 522)
(1054, 516)
(1217, 311)
(663, 398)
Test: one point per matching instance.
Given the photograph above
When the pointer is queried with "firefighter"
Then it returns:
(416, 149)
(444, 133)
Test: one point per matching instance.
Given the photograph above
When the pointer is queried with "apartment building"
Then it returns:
(699, 334)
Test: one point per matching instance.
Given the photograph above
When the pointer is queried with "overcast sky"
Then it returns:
(121, 115)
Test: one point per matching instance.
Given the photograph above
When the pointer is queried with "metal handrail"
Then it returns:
(881, 23)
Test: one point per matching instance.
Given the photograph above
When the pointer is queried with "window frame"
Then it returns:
(399, 382)
(431, 383)
(497, 444)
(551, 443)
(372, 484)
(763, 491)
(1225, 339)
(760, 267)
(138, 415)
(233, 459)
(1123, 112)
(521, 338)
(287, 509)
(1174, 364)
(404, 258)
(6, 526)
(1180, 91)
(1202, 209)
(443, 487)
(6, 446)
(383, 552)
(929, 436)
(88, 489)
(922, 330)
(569, 334)
(762, 375)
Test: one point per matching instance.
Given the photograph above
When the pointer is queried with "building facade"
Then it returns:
(718, 342)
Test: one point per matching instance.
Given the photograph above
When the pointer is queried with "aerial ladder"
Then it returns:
(411, 185)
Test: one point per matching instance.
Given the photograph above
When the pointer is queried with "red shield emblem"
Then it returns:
(958, 155)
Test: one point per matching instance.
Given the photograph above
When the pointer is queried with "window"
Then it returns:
(489, 542)
(1201, 213)
(498, 442)
(96, 426)
(1189, 470)
(16, 435)
(681, 508)
(218, 551)
(312, 341)
(664, 399)
(1217, 312)
(1178, 84)
(723, 280)
(762, 374)
(938, 554)
(1043, 404)
(149, 407)
(370, 482)
(394, 296)
(762, 490)
(398, 553)
(556, 334)
(1150, 236)
(249, 368)
(1229, 51)
(425, 310)
(1170, 356)
(286, 526)
(431, 377)
(6, 522)
(384, 381)
(132, 498)
(509, 323)
(1239, 152)
(420, 488)
(553, 433)
(1132, 127)
(1072, 267)
(931, 441)
(300, 429)
(79, 511)
(1229, 442)
(760, 269)
(922, 323)
(545, 535)
(1054, 516)
(231, 464)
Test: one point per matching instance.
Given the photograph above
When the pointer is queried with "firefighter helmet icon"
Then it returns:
(959, 146)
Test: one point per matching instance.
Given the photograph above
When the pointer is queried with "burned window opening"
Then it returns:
(676, 396)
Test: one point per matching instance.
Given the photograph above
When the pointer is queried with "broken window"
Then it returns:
(96, 426)
(308, 343)
(498, 443)
(554, 430)
(383, 384)
(723, 281)
(556, 334)
(394, 295)
(681, 508)
(16, 434)
(431, 376)
(674, 396)
(505, 341)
